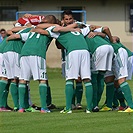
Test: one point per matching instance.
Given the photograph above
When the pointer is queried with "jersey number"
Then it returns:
(32, 34)
(75, 33)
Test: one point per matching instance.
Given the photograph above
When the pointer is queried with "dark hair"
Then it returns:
(67, 12)
(2, 30)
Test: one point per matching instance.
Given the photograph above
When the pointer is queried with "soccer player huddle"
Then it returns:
(90, 55)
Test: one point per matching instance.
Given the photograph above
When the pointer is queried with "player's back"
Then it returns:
(72, 41)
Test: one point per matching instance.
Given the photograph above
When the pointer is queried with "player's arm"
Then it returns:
(63, 29)
(107, 31)
(40, 31)
(93, 27)
(13, 37)
(16, 29)
(93, 34)
(9, 32)
(45, 25)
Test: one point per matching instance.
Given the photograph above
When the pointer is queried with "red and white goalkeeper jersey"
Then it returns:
(34, 20)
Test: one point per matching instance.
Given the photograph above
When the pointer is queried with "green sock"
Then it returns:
(6, 94)
(95, 88)
(115, 99)
(79, 91)
(3, 85)
(69, 93)
(26, 99)
(127, 93)
(43, 94)
(121, 98)
(73, 97)
(88, 94)
(109, 93)
(14, 93)
(22, 93)
(49, 98)
(100, 83)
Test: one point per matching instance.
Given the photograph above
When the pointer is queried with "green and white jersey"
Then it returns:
(118, 45)
(95, 42)
(35, 44)
(69, 40)
(16, 45)
(3, 45)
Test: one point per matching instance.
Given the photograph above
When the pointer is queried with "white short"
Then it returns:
(33, 65)
(78, 64)
(11, 62)
(122, 65)
(129, 67)
(102, 58)
(1, 62)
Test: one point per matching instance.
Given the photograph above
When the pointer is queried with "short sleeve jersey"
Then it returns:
(95, 42)
(3, 45)
(69, 40)
(35, 44)
(118, 45)
(16, 45)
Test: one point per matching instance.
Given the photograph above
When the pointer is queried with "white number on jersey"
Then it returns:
(75, 33)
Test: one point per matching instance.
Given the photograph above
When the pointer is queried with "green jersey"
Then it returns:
(3, 45)
(70, 40)
(35, 44)
(95, 42)
(118, 45)
(15, 45)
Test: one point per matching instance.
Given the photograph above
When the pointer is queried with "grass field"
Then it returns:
(77, 122)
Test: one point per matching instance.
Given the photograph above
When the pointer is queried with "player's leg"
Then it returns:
(43, 95)
(14, 93)
(121, 75)
(79, 93)
(118, 98)
(74, 98)
(115, 100)
(50, 105)
(25, 74)
(72, 72)
(125, 88)
(30, 107)
(22, 92)
(109, 80)
(5, 82)
(95, 90)
(68, 94)
(39, 73)
(12, 67)
(88, 94)
(4, 88)
(120, 95)
(85, 74)
(100, 83)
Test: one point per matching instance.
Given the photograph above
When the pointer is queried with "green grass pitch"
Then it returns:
(77, 122)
